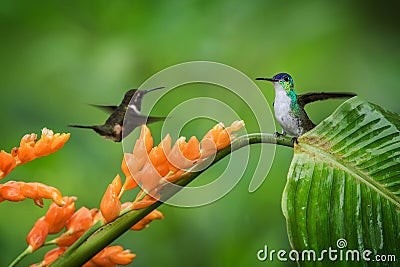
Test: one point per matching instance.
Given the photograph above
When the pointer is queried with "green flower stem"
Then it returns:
(85, 236)
(77, 256)
(25, 253)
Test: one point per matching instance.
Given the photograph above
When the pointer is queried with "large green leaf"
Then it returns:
(344, 183)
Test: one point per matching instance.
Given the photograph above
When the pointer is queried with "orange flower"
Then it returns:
(96, 215)
(174, 176)
(183, 155)
(53, 254)
(26, 150)
(130, 183)
(208, 147)
(132, 163)
(125, 205)
(50, 256)
(156, 166)
(50, 142)
(80, 221)
(76, 226)
(158, 158)
(143, 223)
(166, 164)
(148, 177)
(110, 257)
(218, 137)
(40, 191)
(191, 149)
(37, 236)
(143, 145)
(67, 239)
(57, 216)
(29, 149)
(18, 191)
(11, 191)
(7, 163)
(110, 205)
(145, 202)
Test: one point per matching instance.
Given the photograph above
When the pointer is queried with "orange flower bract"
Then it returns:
(11, 191)
(133, 162)
(145, 202)
(110, 205)
(152, 167)
(76, 226)
(31, 149)
(49, 142)
(51, 256)
(26, 150)
(111, 257)
(18, 191)
(183, 155)
(130, 182)
(191, 149)
(7, 163)
(158, 160)
(57, 217)
(80, 221)
(37, 236)
(220, 136)
(143, 223)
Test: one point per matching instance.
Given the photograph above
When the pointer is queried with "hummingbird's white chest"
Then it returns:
(284, 115)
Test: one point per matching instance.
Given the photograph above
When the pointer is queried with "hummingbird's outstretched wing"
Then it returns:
(304, 99)
(133, 120)
(109, 109)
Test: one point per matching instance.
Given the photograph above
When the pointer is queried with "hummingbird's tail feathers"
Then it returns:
(109, 109)
(95, 128)
(81, 126)
(304, 99)
(153, 89)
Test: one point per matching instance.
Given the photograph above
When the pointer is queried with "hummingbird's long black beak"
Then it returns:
(153, 89)
(267, 79)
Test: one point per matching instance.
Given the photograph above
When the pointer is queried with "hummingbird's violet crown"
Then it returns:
(283, 76)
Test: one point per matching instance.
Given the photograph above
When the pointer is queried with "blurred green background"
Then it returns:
(56, 57)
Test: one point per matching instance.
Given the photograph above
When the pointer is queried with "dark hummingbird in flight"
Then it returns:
(289, 106)
(125, 117)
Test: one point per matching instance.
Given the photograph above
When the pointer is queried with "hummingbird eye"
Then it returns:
(286, 79)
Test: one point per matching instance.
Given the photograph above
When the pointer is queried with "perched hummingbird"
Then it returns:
(289, 107)
(126, 116)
